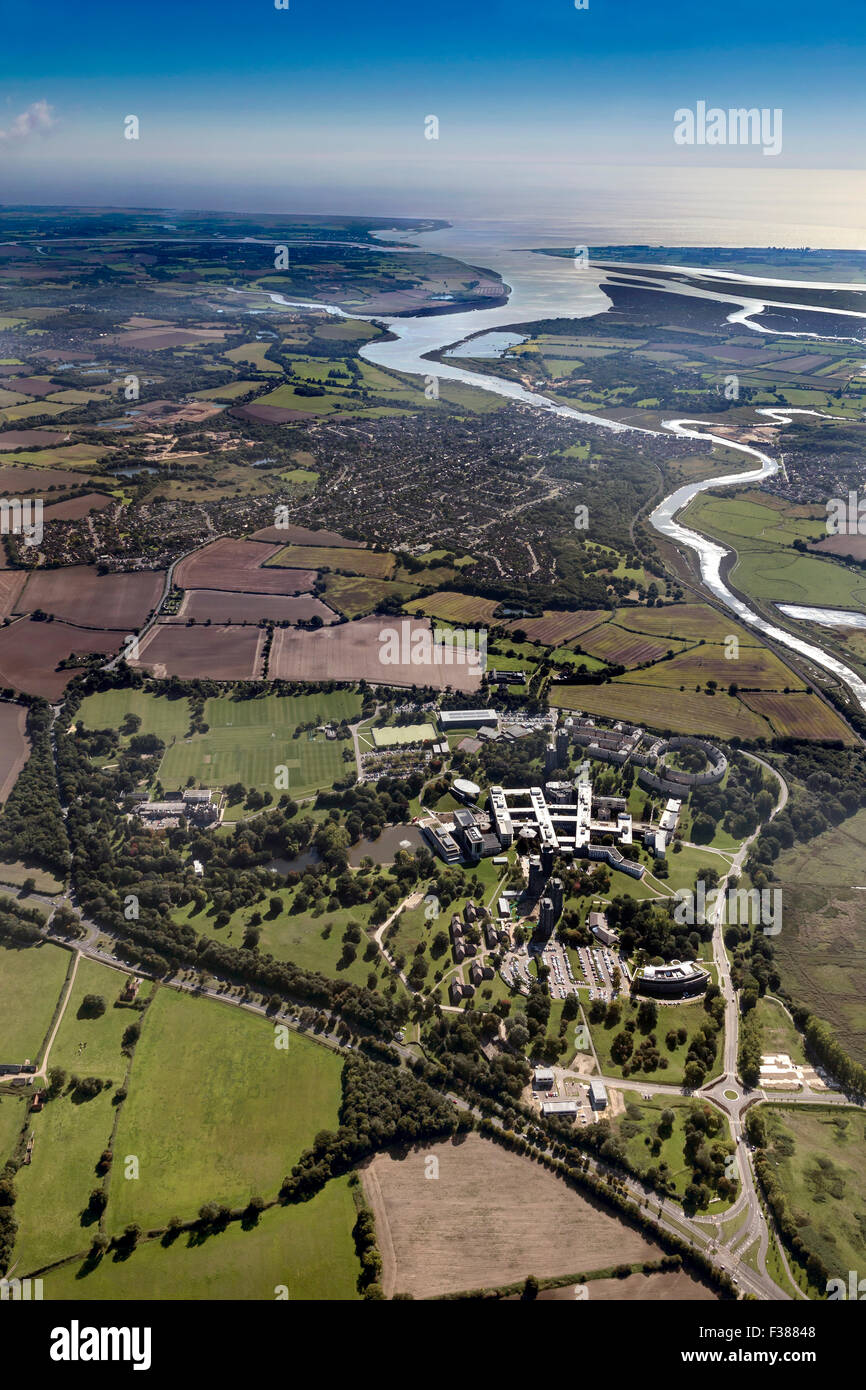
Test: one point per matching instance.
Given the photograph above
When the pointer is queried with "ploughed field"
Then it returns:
(490, 1218)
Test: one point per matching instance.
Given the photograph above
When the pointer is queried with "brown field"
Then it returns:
(270, 414)
(237, 567)
(222, 607)
(490, 1218)
(16, 481)
(455, 608)
(11, 584)
(369, 563)
(14, 748)
(842, 545)
(689, 621)
(30, 652)
(552, 629)
(351, 651)
(302, 535)
(224, 653)
(77, 507)
(156, 339)
(33, 385)
(800, 715)
(30, 439)
(79, 594)
(754, 667)
(614, 644)
(659, 707)
(676, 1287)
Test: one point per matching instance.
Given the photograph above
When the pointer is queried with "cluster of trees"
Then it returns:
(382, 1104)
(457, 1042)
(751, 1049)
(655, 931)
(31, 825)
(115, 858)
(18, 924)
(747, 799)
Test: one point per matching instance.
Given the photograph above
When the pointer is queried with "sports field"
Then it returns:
(216, 1113)
(307, 1249)
(248, 739)
(389, 735)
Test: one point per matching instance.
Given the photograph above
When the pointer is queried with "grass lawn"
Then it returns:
(16, 873)
(31, 979)
(215, 1111)
(308, 1248)
(778, 1033)
(689, 1016)
(168, 719)
(638, 1127)
(54, 1189)
(312, 939)
(91, 1046)
(248, 739)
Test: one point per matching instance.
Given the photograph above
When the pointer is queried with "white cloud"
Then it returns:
(38, 119)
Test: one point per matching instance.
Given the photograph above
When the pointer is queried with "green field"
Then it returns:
(682, 712)
(640, 1124)
(390, 735)
(778, 1033)
(91, 1046)
(53, 1191)
(372, 564)
(307, 1248)
(13, 1113)
(689, 1016)
(248, 739)
(31, 979)
(767, 568)
(821, 950)
(168, 719)
(357, 595)
(215, 1111)
(817, 1155)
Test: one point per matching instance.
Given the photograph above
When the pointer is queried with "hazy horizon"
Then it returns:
(568, 112)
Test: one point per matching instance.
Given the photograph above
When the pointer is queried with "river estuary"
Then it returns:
(543, 287)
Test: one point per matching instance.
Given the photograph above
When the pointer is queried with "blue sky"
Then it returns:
(322, 106)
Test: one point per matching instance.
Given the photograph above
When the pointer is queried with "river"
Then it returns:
(543, 287)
